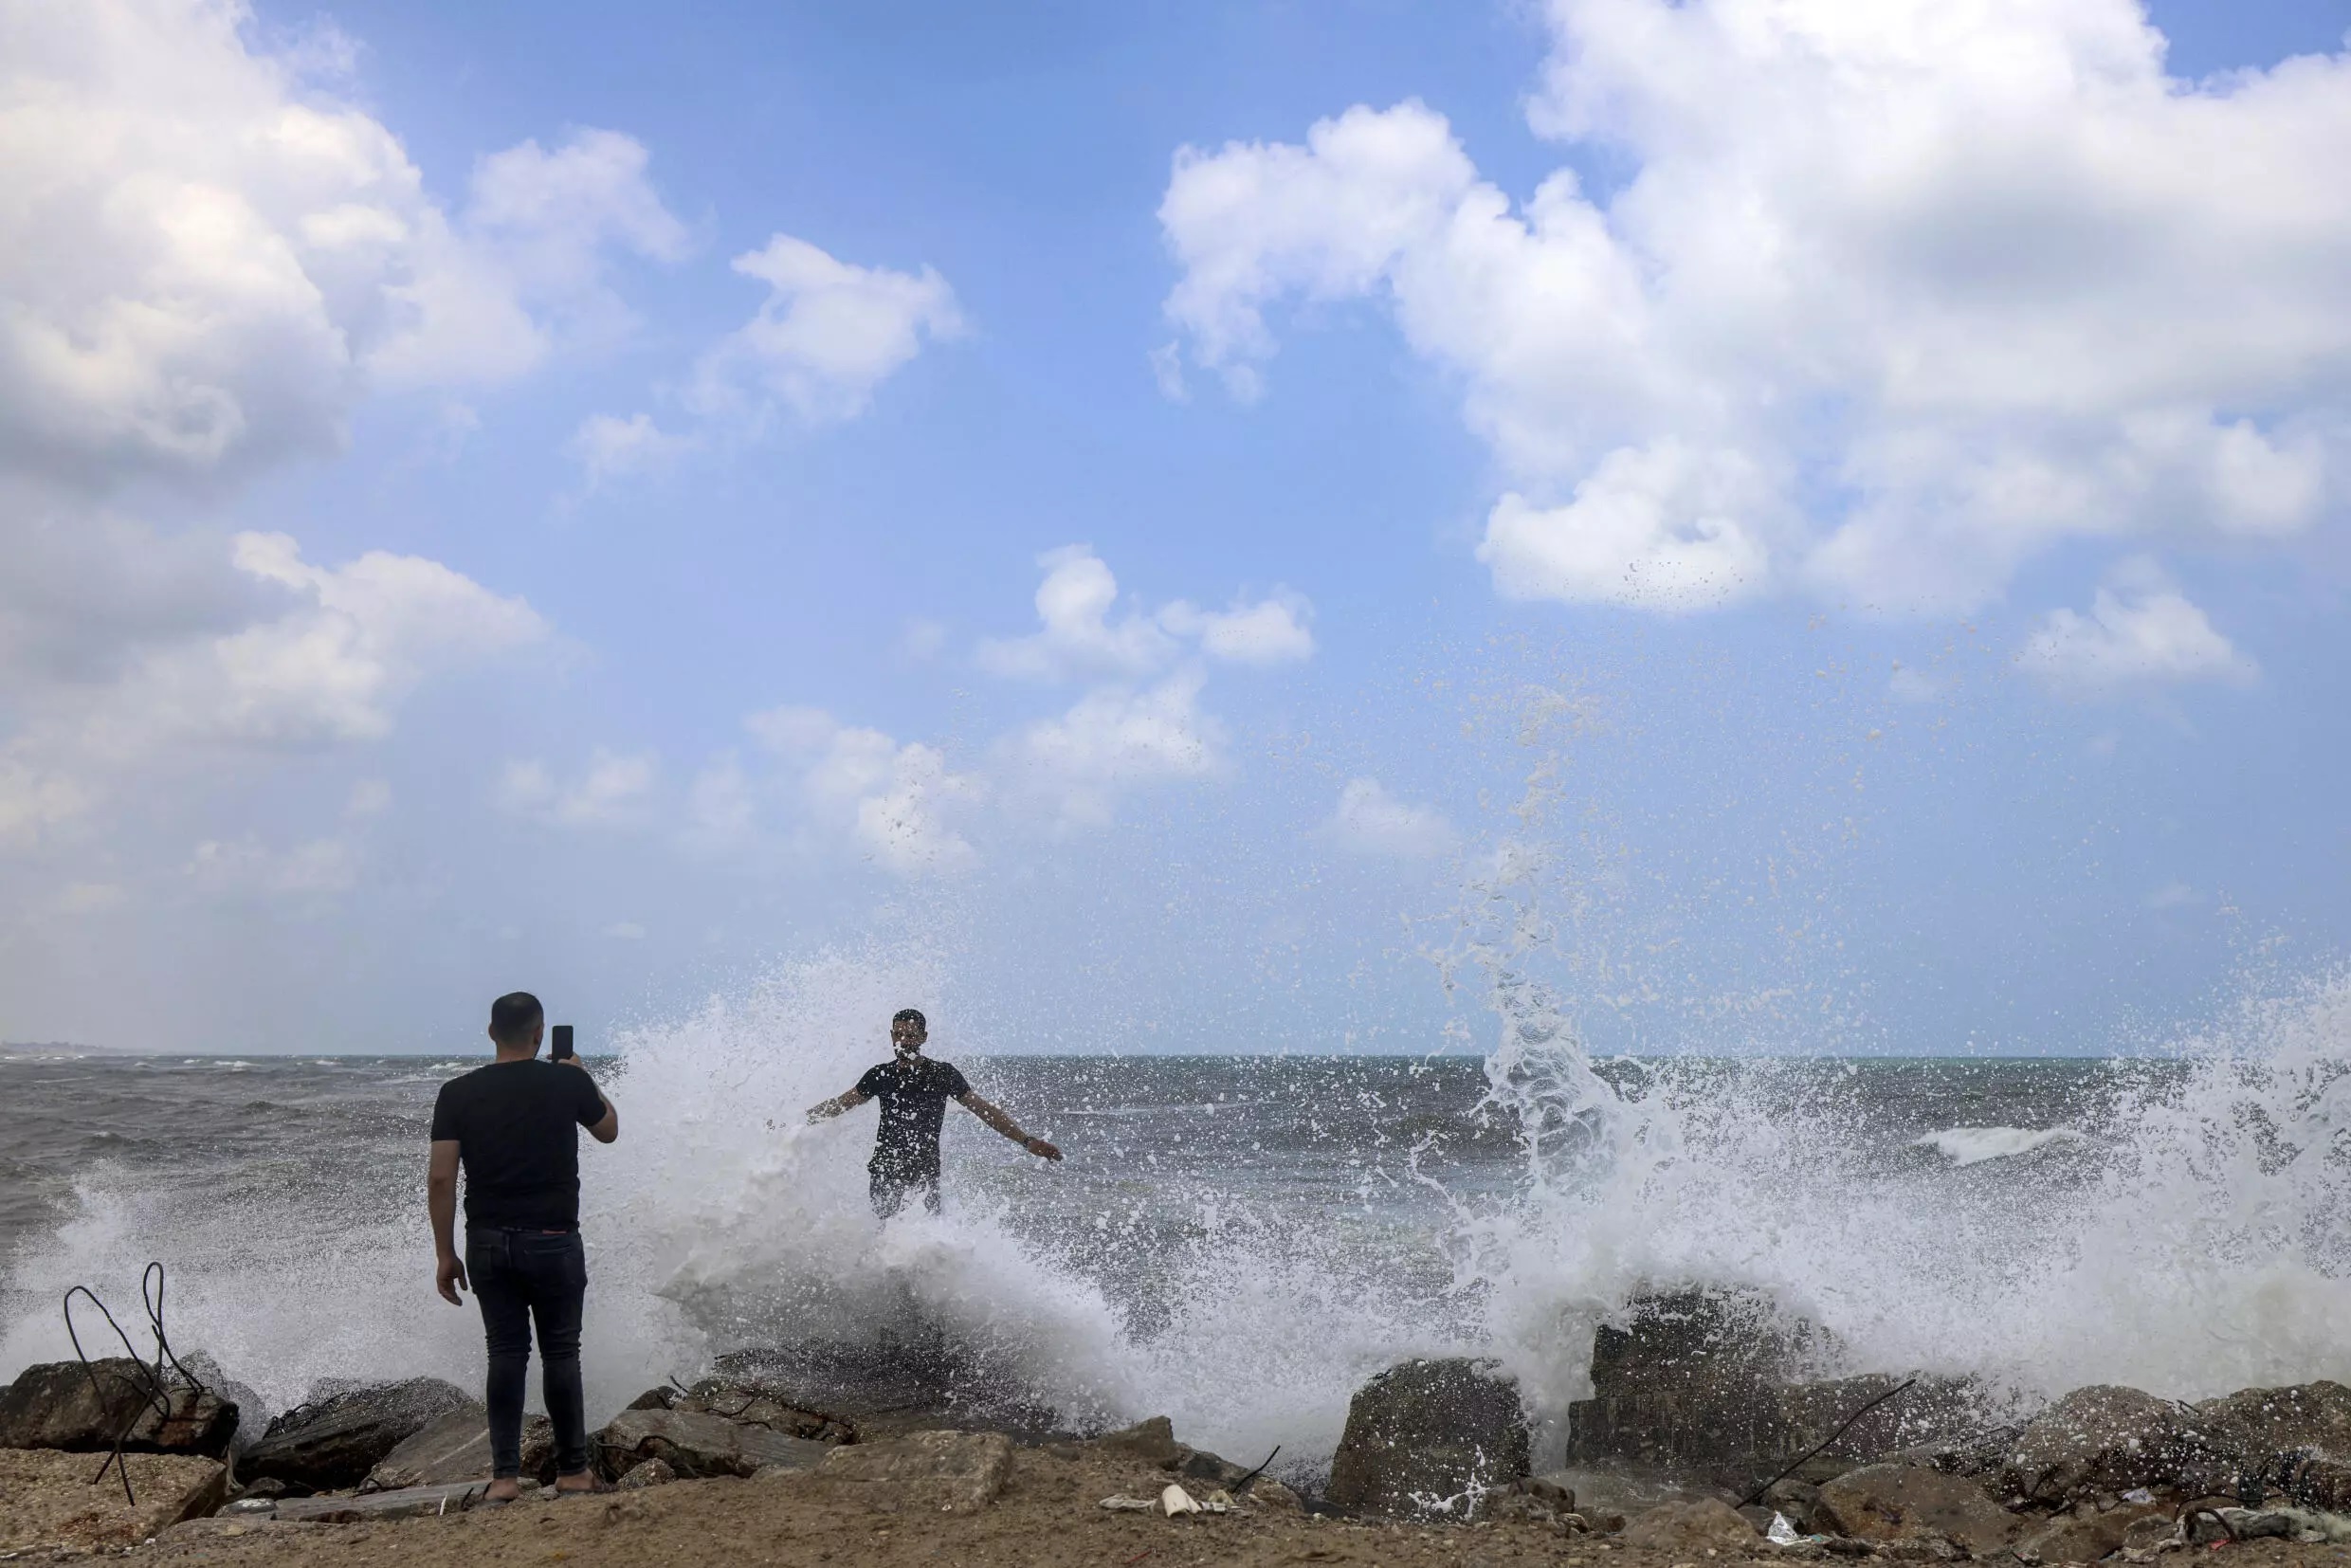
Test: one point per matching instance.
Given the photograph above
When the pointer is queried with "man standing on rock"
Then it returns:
(514, 1127)
(914, 1091)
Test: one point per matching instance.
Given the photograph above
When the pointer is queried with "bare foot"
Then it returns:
(584, 1481)
(505, 1490)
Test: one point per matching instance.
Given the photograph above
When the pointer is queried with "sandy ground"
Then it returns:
(1048, 1516)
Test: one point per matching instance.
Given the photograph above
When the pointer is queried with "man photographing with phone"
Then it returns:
(513, 1127)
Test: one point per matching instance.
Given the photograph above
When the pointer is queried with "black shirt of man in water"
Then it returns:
(517, 1129)
(914, 1091)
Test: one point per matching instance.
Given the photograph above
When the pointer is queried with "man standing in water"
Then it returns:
(914, 1091)
(514, 1127)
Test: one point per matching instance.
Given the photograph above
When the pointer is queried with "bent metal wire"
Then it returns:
(153, 1393)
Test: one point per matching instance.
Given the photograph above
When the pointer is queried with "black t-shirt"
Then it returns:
(516, 1125)
(914, 1097)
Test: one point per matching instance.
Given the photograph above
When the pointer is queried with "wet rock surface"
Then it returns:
(2088, 1533)
(2268, 1421)
(895, 1386)
(400, 1502)
(1685, 1382)
(695, 1442)
(331, 1444)
(2107, 1439)
(1906, 1503)
(456, 1447)
(2312, 1481)
(1429, 1435)
(761, 1404)
(65, 1405)
(1153, 1442)
(1722, 1385)
(647, 1472)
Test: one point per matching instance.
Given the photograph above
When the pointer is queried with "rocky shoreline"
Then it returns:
(1703, 1438)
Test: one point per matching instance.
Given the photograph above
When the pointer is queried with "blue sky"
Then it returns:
(1874, 476)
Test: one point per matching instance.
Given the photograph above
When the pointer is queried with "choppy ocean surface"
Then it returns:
(1234, 1241)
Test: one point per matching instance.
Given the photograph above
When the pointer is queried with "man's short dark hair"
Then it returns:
(513, 1017)
(910, 1015)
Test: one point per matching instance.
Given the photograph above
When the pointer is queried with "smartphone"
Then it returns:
(562, 1050)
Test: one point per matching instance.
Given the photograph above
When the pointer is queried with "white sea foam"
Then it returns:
(2206, 1249)
(1974, 1145)
(736, 1232)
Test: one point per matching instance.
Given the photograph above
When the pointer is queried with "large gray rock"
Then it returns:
(1153, 1442)
(1930, 1410)
(1892, 1503)
(2089, 1534)
(1689, 1340)
(2314, 1479)
(67, 1405)
(2259, 1423)
(646, 1472)
(206, 1370)
(456, 1447)
(402, 1502)
(332, 1444)
(2111, 1439)
(756, 1404)
(1429, 1436)
(903, 1372)
(1715, 1385)
(924, 1472)
(697, 1443)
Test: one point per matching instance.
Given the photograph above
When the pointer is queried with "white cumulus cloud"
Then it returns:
(1078, 637)
(1270, 631)
(615, 789)
(313, 656)
(895, 802)
(206, 257)
(1113, 741)
(1661, 527)
(1889, 299)
(1370, 821)
(333, 668)
(607, 446)
(2137, 634)
(829, 333)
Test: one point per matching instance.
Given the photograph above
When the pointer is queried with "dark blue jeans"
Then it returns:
(519, 1276)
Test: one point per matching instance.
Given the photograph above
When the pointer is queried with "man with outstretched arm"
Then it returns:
(914, 1091)
(513, 1128)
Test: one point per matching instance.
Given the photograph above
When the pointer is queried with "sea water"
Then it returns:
(1238, 1241)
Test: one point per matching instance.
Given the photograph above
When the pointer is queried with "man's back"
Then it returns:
(517, 1127)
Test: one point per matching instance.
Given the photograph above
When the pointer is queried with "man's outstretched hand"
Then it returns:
(448, 1277)
(1041, 1149)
